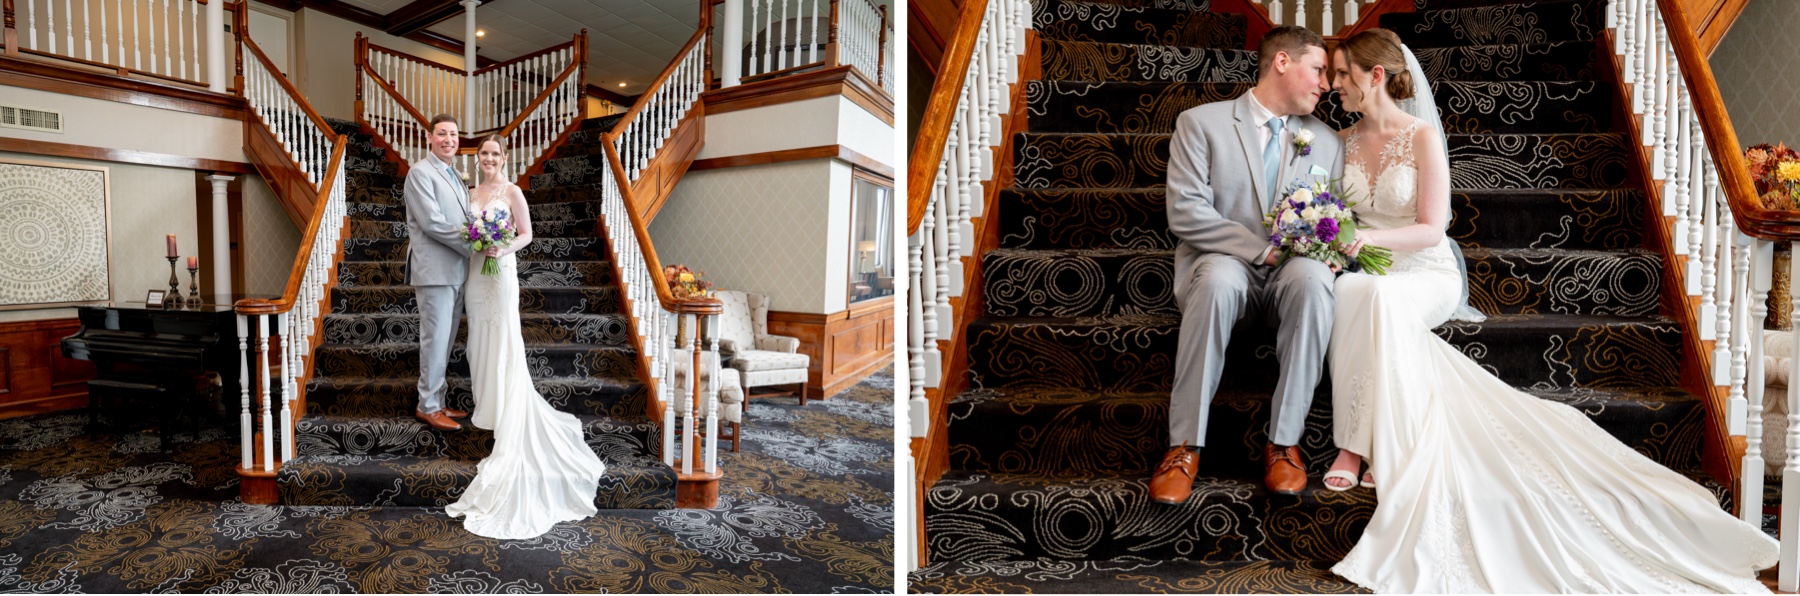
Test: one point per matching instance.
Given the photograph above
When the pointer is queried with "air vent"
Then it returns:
(30, 119)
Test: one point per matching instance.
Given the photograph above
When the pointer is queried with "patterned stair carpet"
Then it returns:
(359, 443)
(1052, 450)
(807, 507)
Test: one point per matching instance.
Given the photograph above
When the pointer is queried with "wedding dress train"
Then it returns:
(541, 470)
(1482, 487)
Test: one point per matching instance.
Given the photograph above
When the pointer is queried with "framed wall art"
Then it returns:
(55, 234)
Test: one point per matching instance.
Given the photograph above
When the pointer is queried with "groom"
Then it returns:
(1227, 163)
(437, 262)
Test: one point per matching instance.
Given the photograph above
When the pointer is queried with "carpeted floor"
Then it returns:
(808, 506)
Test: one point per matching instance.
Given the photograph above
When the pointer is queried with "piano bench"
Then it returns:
(155, 389)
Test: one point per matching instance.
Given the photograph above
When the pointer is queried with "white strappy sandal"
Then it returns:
(1347, 476)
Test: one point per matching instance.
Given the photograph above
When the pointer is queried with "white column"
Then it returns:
(468, 116)
(221, 231)
(731, 43)
(215, 46)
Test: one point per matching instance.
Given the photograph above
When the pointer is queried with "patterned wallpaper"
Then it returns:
(147, 203)
(1754, 67)
(269, 258)
(762, 229)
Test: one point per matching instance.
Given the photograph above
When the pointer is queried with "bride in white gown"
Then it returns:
(541, 470)
(1482, 487)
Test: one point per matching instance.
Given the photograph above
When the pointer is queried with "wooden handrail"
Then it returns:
(303, 259)
(269, 66)
(940, 111)
(542, 96)
(650, 91)
(1721, 138)
(701, 306)
(500, 65)
(399, 99)
(409, 57)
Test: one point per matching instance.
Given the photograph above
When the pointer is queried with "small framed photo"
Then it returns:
(155, 298)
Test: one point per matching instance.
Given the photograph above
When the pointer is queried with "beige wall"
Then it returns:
(1752, 65)
(765, 229)
(269, 259)
(327, 51)
(115, 125)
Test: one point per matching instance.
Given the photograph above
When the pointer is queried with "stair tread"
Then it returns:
(1467, 251)
(1494, 320)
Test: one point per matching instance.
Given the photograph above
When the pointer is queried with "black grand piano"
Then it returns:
(158, 358)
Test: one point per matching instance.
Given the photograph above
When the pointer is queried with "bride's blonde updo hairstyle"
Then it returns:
(1380, 47)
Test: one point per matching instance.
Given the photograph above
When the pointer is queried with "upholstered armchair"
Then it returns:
(731, 400)
(765, 360)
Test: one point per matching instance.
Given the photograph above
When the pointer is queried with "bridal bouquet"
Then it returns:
(490, 230)
(1313, 220)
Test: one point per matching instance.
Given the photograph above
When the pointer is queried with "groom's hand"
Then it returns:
(1271, 259)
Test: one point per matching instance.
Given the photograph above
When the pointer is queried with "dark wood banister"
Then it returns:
(664, 297)
(269, 66)
(650, 91)
(940, 111)
(303, 259)
(1721, 138)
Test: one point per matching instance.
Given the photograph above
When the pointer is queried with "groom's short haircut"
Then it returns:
(1286, 38)
(442, 118)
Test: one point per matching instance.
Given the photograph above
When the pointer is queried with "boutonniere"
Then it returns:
(1303, 139)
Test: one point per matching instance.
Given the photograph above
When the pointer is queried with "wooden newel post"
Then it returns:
(706, 21)
(881, 49)
(357, 51)
(12, 33)
(240, 22)
(831, 45)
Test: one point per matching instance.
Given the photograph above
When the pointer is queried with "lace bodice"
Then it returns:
(1389, 197)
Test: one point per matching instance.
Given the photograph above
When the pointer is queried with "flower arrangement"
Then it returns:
(684, 283)
(1776, 171)
(1303, 139)
(1313, 220)
(491, 229)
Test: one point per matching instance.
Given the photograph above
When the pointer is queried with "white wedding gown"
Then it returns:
(541, 470)
(1482, 487)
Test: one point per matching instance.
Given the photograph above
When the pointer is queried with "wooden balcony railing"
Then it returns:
(160, 40)
(795, 36)
(300, 155)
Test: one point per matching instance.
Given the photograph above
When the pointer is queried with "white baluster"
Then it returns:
(1683, 167)
(1325, 27)
(928, 287)
(1724, 234)
(262, 373)
(68, 27)
(1762, 263)
(245, 425)
(1709, 244)
(1788, 577)
(137, 53)
(1740, 331)
(288, 348)
(1655, 117)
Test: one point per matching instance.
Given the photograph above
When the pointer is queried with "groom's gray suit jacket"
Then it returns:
(1215, 198)
(437, 264)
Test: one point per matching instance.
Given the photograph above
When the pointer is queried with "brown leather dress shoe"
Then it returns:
(1174, 478)
(437, 420)
(454, 413)
(1287, 472)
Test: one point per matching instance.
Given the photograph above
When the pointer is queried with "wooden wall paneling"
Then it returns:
(845, 347)
(658, 180)
(68, 80)
(47, 148)
(34, 376)
(295, 193)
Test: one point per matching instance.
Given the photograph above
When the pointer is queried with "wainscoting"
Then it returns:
(845, 346)
(34, 376)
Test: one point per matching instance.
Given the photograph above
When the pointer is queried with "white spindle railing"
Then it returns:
(1728, 270)
(641, 134)
(862, 33)
(159, 38)
(1325, 17)
(783, 34)
(317, 152)
(669, 335)
(766, 38)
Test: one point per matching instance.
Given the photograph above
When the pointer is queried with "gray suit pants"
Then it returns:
(1295, 298)
(440, 311)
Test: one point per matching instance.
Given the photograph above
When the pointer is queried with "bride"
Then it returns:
(541, 471)
(1483, 488)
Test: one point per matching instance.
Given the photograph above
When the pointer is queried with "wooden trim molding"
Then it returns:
(34, 376)
(842, 80)
(68, 80)
(128, 156)
(840, 152)
(845, 347)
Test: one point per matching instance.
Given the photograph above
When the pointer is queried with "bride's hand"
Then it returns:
(492, 251)
(1355, 247)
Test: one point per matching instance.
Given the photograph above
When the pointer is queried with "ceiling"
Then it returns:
(629, 41)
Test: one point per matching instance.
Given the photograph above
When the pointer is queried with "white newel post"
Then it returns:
(215, 46)
(731, 42)
(468, 117)
(221, 233)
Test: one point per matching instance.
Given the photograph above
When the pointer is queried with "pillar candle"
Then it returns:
(172, 253)
(193, 262)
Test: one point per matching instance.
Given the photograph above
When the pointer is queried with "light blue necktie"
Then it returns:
(1272, 162)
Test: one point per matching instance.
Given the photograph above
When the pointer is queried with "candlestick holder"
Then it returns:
(174, 286)
(193, 299)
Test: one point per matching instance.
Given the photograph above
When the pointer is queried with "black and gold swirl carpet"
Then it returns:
(807, 507)
(1052, 450)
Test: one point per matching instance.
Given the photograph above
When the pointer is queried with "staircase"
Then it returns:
(359, 444)
(1052, 449)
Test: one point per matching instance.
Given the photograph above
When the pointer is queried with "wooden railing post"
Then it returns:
(240, 22)
(881, 49)
(12, 32)
(358, 54)
(706, 22)
(831, 46)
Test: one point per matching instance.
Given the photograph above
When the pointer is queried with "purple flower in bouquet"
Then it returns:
(1327, 230)
(1314, 221)
(489, 230)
